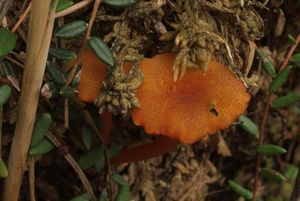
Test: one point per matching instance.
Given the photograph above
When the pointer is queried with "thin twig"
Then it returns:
(290, 53)
(260, 141)
(265, 116)
(75, 167)
(22, 18)
(73, 8)
(22, 9)
(17, 63)
(31, 176)
(24, 6)
(4, 80)
(86, 38)
(66, 113)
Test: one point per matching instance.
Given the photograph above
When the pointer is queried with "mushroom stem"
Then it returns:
(146, 151)
(105, 128)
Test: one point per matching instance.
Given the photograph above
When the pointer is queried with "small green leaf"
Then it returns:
(63, 54)
(103, 196)
(82, 197)
(87, 137)
(291, 172)
(280, 79)
(67, 92)
(42, 147)
(101, 50)
(119, 180)
(272, 174)
(249, 126)
(267, 64)
(3, 169)
(40, 129)
(90, 157)
(56, 73)
(295, 58)
(285, 101)
(240, 190)
(123, 194)
(120, 3)
(270, 149)
(292, 39)
(71, 30)
(63, 4)
(7, 41)
(5, 92)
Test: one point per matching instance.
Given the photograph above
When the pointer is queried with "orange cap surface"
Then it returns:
(182, 109)
(93, 72)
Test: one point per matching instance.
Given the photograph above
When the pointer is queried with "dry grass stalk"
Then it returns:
(39, 37)
(31, 177)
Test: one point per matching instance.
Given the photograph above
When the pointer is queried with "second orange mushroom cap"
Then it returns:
(201, 103)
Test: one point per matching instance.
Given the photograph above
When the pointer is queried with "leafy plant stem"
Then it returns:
(86, 37)
(270, 97)
(103, 139)
(290, 53)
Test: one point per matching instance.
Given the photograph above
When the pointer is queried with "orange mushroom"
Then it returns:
(201, 103)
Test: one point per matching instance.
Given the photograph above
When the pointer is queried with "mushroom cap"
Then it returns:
(201, 103)
(93, 72)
